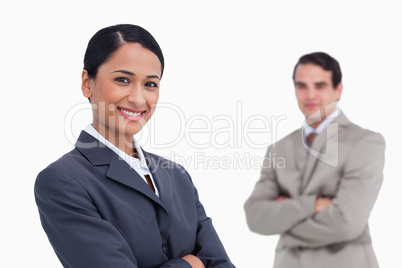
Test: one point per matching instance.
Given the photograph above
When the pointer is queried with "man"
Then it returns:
(320, 200)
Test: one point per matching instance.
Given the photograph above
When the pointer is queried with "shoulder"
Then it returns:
(69, 162)
(356, 134)
(360, 147)
(65, 169)
(361, 150)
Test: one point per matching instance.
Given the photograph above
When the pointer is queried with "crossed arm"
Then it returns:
(311, 221)
(321, 203)
(82, 238)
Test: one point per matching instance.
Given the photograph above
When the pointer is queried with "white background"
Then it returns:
(218, 54)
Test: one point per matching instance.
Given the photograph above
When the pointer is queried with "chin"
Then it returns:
(313, 116)
(130, 127)
(132, 130)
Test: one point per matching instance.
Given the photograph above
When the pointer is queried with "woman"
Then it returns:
(108, 203)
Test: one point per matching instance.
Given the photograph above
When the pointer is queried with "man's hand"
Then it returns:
(322, 203)
(194, 261)
(282, 198)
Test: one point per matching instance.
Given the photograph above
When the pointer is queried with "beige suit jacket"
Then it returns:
(345, 164)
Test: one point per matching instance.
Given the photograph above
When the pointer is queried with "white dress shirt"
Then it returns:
(139, 165)
(307, 129)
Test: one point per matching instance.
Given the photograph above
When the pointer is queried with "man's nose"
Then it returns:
(311, 93)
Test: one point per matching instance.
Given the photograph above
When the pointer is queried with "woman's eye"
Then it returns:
(151, 84)
(122, 80)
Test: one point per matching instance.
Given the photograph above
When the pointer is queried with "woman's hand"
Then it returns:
(194, 261)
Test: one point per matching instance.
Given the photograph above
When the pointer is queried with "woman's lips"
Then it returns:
(130, 114)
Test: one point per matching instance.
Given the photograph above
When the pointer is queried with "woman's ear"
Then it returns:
(86, 84)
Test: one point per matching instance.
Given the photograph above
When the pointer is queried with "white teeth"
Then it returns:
(130, 113)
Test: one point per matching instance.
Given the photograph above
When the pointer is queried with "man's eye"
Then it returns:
(321, 85)
(122, 80)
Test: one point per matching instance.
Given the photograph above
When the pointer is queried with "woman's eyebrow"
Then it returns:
(153, 76)
(123, 71)
(133, 74)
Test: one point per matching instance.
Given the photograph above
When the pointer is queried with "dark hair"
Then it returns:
(107, 40)
(325, 61)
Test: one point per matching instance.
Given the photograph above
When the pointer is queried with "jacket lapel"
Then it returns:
(301, 151)
(313, 156)
(121, 172)
(99, 155)
(163, 181)
(325, 148)
(161, 177)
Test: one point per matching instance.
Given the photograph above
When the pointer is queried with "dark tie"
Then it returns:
(311, 138)
(149, 182)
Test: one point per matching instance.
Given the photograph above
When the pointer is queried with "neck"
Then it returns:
(121, 140)
(315, 122)
(318, 117)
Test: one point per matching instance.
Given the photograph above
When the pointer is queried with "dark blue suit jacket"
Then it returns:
(98, 212)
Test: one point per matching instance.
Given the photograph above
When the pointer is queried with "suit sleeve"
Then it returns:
(208, 248)
(267, 216)
(347, 216)
(79, 236)
(176, 263)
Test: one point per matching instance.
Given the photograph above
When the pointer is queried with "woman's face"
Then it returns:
(125, 91)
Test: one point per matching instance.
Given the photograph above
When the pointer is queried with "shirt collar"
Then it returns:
(309, 129)
(132, 161)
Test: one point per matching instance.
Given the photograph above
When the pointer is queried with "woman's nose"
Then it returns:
(136, 96)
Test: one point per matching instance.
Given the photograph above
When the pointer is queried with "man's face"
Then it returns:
(315, 92)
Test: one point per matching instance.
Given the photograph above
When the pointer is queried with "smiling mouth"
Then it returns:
(131, 115)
